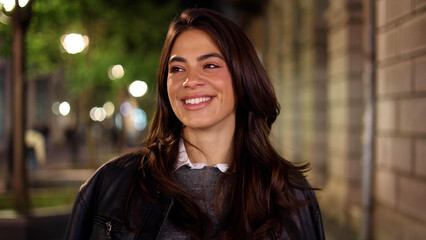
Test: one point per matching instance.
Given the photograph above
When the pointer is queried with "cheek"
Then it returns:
(172, 95)
(228, 87)
(170, 90)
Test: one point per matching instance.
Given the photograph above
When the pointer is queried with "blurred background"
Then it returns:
(77, 88)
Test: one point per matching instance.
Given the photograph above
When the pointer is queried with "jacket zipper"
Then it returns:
(108, 230)
(110, 225)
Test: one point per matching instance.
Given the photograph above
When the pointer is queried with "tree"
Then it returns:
(120, 32)
(123, 32)
(20, 18)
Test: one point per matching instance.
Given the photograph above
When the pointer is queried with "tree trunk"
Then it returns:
(19, 25)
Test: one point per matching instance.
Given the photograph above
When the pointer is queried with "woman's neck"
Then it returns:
(207, 146)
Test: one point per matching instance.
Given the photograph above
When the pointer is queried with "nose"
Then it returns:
(193, 80)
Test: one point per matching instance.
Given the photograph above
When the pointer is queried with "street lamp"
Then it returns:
(116, 72)
(23, 3)
(9, 5)
(64, 108)
(20, 17)
(74, 43)
(138, 88)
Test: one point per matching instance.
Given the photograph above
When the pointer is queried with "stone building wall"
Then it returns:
(291, 40)
(315, 53)
(345, 107)
(400, 176)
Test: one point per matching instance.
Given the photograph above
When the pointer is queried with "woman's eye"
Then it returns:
(210, 66)
(175, 69)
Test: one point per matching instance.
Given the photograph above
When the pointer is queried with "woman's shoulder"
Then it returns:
(310, 212)
(118, 169)
(302, 189)
(127, 161)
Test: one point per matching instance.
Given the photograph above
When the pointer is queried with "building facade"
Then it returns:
(351, 80)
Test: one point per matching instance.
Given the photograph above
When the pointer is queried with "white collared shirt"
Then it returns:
(184, 160)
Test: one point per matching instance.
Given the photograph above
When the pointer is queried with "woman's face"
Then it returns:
(199, 84)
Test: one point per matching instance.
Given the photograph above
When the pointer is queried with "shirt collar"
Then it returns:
(184, 160)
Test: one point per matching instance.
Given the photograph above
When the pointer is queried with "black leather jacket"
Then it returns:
(98, 209)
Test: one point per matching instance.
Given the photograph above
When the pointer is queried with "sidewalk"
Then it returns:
(60, 171)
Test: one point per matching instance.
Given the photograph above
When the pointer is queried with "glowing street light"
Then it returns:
(138, 88)
(23, 3)
(98, 114)
(116, 72)
(8, 5)
(55, 108)
(126, 109)
(74, 43)
(64, 108)
(109, 108)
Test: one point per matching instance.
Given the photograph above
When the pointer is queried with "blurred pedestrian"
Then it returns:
(208, 170)
(35, 143)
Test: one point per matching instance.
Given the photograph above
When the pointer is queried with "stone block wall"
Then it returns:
(345, 104)
(293, 49)
(400, 183)
(314, 53)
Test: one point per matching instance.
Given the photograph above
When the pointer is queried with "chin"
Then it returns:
(197, 125)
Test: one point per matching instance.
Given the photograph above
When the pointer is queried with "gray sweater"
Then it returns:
(202, 183)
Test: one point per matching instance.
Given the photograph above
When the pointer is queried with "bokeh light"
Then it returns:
(74, 43)
(97, 114)
(118, 121)
(55, 108)
(64, 108)
(100, 114)
(126, 109)
(8, 5)
(138, 88)
(109, 108)
(23, 3)
(139, 119)
(116, 72)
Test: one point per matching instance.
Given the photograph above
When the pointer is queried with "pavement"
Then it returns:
(63, 168)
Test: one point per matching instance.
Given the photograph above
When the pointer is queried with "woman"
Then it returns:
(208, 170)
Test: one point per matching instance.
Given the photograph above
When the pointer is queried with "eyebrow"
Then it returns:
(209, 55)
(200, 58)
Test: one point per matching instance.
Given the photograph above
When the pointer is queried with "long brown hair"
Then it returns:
(259, 179)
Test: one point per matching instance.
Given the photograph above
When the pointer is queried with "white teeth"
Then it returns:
(197, 100)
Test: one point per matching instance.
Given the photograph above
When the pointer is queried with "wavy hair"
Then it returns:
(259, 181)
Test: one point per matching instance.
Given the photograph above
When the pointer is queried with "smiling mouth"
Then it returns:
(197, 100)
